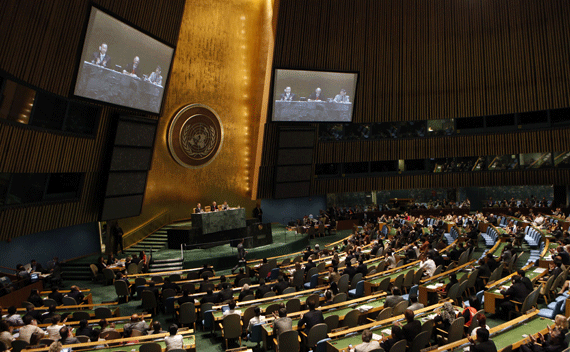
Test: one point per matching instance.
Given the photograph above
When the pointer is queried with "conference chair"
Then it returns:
(231, 328)
(288, 341)
(150, 347)
(122, 290)
(317, 333)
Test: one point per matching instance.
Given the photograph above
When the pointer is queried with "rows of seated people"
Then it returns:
(416, 244)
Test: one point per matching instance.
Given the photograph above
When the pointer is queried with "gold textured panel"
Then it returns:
(221, 62)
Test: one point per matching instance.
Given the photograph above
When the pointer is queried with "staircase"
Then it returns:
(166, 265)
(76, 271)
(80, 270)
(158, 241)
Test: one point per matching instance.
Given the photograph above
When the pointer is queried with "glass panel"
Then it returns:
(63, 186)
(501, 120)
(384, 166)
(536, 160)
(17, 102)
(533, 117)
(356, 168)
(49, 112)
(331, 132)
(81, 118)
(326, 169)
(503, 162)
(562, 159)
(26, 188)
(560, 115)
(4, 182)
(480, 164)
(440, 128)
(415, 165)
(465, 123)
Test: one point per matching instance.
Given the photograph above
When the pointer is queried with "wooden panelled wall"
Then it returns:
(39, 42)
(440, 59)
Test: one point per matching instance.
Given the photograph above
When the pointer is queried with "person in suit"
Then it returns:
(210, 297)
(185, 298)
(77, 295)
(152, 288)
(415, 305)
(309, 266)
(56, 296)
(483, 343)
(132, 69)
(281, 323)
(137, 323)
(239, 276)
(362, 268)
(101, 57)
(367, 343)
(101, 264)
(287, 95)
(311, 318)
(281, 285)
(198, 208)
(214, 206)
(35, 298)
(84, 329)
(350, 270)
(394, 298)
(245, 291)
(169, 284)
(241, 253)
(412, 327)
(341, 97)
(155, 77)
(258, 213)
(390, 341)
(117, 232)
(317, 95)
(262, 289)
(517, 292)
(36, 267)
(226, 294)
(66, 337)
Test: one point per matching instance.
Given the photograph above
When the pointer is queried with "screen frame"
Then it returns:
(79, 62)
(272, 93)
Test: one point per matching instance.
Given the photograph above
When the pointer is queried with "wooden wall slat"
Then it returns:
(40, 42)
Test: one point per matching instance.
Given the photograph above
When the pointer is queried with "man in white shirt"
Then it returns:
(174, 341)
(29, 329)
(367, 343)
(428, 265)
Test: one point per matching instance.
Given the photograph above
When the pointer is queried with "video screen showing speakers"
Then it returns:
(121, 65)
(313, 96)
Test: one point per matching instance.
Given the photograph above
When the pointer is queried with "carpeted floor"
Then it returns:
(204, 341)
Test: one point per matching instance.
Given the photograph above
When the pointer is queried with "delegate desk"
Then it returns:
(217, 221)
(493, 291)
(312, 111)
(340, 341)
(366, 305)
(511, 333)
(129, 343)
(101, 83)
(428, 288)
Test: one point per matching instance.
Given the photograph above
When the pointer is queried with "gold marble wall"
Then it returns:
(222, 60)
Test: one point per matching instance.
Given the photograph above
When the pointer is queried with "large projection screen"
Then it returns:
(121, 65)
(313, 96)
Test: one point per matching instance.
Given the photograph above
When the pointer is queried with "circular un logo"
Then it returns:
(195, 136)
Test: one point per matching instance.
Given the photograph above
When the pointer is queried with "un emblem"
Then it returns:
(195, 136)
